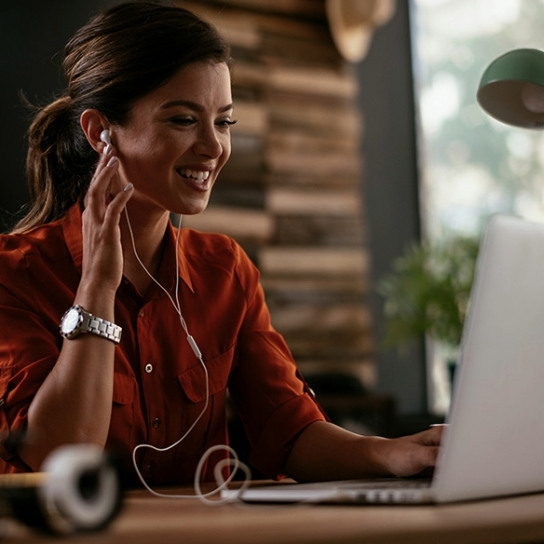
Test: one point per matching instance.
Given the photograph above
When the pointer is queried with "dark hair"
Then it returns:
(117, 57)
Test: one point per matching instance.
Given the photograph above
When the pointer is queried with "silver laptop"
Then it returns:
(494, 443)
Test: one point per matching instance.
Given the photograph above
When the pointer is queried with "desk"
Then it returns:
(151, 520)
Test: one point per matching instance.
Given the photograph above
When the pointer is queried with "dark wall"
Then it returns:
(390, 191)
(32, 37)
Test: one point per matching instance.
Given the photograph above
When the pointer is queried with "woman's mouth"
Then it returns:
(199, 176)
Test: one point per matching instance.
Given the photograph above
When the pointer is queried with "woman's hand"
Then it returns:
(104, 203)
(413, 454)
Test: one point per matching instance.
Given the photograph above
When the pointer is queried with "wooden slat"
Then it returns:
(313, 261)
(331, 317)
(324, 230)
(311, 180)
(226, 15)
(301, 8)
(240, 223)
(286, 201)
(303, 142)
(331, 164)
(318, 290)
(312, 119)
(308, 80)
(252, 118)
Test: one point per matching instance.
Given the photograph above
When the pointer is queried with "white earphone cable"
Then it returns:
(234, 461)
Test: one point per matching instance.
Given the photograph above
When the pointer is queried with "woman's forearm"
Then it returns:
(324, 451)
(74, 402)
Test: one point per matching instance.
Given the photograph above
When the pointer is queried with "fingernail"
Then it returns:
(128, 187)
(113, 160)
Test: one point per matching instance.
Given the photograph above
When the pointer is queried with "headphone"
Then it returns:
(78, 490)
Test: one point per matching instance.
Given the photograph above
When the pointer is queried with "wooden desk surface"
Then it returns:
(148, 519)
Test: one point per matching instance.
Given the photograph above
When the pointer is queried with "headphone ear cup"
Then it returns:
(83, 489)
(78, 490)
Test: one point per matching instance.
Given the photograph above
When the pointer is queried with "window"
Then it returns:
(471, 165)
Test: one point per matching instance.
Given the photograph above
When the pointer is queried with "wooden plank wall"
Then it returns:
(291, 192)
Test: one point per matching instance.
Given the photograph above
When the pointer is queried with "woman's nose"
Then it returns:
(208, 143)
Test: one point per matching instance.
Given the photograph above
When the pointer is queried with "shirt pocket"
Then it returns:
(193, 381)
(211, 422)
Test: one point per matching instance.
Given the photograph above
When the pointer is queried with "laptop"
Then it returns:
(494, 443)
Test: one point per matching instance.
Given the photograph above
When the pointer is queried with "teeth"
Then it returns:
(197, 175)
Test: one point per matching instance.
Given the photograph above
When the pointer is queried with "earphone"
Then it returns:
(105, 137)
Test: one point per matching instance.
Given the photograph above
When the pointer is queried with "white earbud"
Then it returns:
(105, 137)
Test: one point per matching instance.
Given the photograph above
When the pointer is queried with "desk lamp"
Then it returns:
(512, 88)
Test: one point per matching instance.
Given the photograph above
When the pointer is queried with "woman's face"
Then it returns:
(177, 139)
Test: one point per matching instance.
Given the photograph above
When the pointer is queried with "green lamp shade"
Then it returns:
(512, 88)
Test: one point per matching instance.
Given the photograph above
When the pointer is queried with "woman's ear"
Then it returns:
(93, 123)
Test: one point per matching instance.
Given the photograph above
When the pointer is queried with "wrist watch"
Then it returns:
(77, 321)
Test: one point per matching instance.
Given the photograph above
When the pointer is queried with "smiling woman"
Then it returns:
(143, 131)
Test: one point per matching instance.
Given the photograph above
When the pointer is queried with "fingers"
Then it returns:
(104, 203)
(100, 186)
(431, 436)
(435, 433)
(414, 453)
(118, 203)
(105, 193)
(430, 441)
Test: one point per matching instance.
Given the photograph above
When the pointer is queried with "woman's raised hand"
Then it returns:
(104, 203)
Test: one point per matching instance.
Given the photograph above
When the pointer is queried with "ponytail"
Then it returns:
(58, 166)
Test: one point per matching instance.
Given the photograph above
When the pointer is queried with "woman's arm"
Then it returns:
(74, 402)
(324, 451)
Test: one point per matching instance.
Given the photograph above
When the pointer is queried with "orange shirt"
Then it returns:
(159, 384)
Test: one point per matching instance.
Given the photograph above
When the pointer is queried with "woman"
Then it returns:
(143, 132)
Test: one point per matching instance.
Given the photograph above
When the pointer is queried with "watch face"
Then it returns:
(70, 321)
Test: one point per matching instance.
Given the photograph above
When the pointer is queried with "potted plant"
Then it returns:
(427, 293)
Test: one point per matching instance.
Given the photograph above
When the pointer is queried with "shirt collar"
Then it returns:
(168, 264)
(74, 240)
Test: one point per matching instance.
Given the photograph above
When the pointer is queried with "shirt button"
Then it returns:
(156, 422)
(141, 313)
(149, 368)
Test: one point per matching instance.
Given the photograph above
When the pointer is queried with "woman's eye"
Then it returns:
(183, 121)
(226, 123)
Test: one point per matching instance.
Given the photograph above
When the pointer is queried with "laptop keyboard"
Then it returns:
(390, 491)
(389, 483)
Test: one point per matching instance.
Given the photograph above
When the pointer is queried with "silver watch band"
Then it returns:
(101, 327)
(77, 320)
